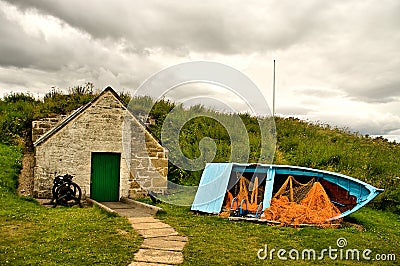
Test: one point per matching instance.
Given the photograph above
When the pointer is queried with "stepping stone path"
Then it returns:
(161, 246)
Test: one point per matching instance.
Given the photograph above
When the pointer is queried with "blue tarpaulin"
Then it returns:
(212, 188)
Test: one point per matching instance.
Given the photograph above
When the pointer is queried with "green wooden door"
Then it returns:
(105, 176)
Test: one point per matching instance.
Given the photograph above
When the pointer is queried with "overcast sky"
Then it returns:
(338, 62)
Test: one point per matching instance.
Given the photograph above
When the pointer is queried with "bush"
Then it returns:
(18, 110)
(10, 165)
(389, 201)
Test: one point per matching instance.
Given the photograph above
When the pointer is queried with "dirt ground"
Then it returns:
(25, 180)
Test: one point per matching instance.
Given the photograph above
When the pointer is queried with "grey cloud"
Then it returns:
(13, 48)
(293, 110)
(72, 58)
(190, 25)
(320, 92)
(18, 49)
(372, 124)
(378, 93)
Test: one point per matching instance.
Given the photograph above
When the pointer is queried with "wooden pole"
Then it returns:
(291, 194)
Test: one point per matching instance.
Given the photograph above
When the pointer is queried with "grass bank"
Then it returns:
(219, 241)
(33, 235)
(375, 161)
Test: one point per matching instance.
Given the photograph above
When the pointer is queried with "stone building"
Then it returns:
(91, 145)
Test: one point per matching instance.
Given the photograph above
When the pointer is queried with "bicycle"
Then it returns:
(65, 191)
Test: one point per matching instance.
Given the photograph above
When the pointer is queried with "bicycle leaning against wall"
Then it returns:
(65, 191)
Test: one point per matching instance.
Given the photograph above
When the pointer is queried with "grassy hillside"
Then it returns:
(375, 161)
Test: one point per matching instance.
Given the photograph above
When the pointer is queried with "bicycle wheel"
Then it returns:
(68, 194)
(58, 180)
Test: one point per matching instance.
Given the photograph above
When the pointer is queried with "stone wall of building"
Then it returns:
(148, 160)
(40, 127)
(99, 128)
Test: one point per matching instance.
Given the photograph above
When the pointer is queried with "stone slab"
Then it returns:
(161, 246)
(116, 205)
(176, 238)
(157, 232)
(161, 243)
(128, 210)
(132, 213)
(156, 225)
(142, 263)
(151, 208)
(159, 256)
(137, 220)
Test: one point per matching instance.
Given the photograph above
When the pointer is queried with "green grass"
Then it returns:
(375, 161)
(33, 235)
(10, 165)
(219, 241)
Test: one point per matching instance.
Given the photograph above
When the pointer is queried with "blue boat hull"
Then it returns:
(347, 193)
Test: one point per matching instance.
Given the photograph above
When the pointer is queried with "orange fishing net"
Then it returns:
(243, 194)
(228, 200)
(243, 191)
(294, 190)
(315, 208)
(253, 206)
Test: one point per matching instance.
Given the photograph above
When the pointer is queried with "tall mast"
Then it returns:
(273, 93)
